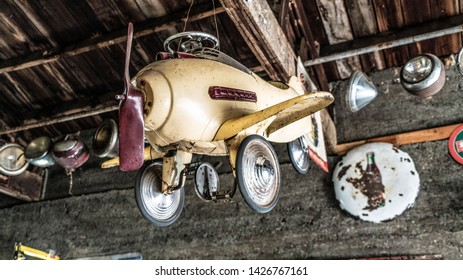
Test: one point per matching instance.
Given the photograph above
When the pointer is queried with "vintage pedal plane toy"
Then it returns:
(202, 101)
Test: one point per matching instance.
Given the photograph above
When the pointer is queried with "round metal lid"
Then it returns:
(12, 160)
(38, 148)
(65, 145)
(377, 191)
(455, 144)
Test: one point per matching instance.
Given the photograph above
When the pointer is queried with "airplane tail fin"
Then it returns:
(302, 84)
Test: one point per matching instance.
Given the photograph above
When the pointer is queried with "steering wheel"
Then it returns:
(190, 41)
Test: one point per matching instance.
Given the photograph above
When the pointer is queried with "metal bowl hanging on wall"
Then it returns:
(70, 153)
(423, 75)
(106, 139)
(12, 160)
(39, 152)
(360, 92)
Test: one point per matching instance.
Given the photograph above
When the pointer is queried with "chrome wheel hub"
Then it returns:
(161, 207)
(260, 175)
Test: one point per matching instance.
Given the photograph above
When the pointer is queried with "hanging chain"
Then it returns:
(69, 173)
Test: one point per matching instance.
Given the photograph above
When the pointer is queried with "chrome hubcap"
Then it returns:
(159, 206)
(260, 174)
(300, 152)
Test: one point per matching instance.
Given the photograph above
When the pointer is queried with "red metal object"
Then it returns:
(224, 93)
(131, 126)
(166, 55)
(455, 144)
(184, 55)
(70, 153)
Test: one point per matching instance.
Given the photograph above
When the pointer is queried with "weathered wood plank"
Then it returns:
(389, 17)
(310, 44)
(320, 38)
(414, 16)
(116, 37)
(329, 132)
(389, 40)
(451, 43)
(413, 137)
(337, 27)
(65, 117)
(26, 186)
(258, 25)
(363, 22)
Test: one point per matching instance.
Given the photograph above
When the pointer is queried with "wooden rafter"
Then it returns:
(413, 137)
(258, 25)
(116, 37)
(65, 116)
(411, 34)
(310, 41)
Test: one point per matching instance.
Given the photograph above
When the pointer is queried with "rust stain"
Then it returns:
(343, 171)
(371, 186)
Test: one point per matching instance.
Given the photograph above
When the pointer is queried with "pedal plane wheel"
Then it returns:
(162, 210)
(258, 173)
(206, 181)
(298, 151)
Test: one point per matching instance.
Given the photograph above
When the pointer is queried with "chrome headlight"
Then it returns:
(423, 75)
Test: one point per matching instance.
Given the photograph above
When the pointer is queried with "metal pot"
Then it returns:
(70, 153)
(39, 153)
(106, 139)
(12, 161)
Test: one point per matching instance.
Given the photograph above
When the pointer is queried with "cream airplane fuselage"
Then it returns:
(179, 106)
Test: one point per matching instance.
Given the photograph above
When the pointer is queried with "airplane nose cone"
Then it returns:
(157, 98)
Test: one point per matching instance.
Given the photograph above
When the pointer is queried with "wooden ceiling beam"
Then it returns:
(198, 12)
(264, 36)
(70, 115)
(408, 35)
(310, 41)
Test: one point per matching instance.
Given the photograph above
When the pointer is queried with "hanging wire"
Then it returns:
(188, 15)
(216, 25)
(186, 22)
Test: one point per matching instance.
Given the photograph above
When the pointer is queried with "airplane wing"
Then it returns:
(284, 113)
